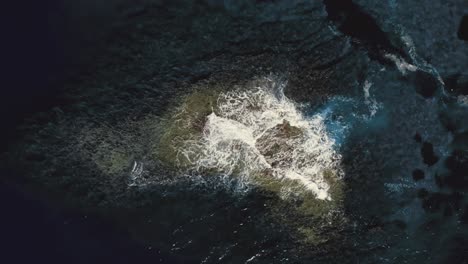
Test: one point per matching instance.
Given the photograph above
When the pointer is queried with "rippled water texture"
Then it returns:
(264, 132)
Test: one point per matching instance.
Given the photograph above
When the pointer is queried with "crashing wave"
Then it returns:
(260, 133)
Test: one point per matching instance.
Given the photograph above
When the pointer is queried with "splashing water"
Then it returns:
(260, 132)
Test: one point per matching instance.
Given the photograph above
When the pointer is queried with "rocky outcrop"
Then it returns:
(353, 21)
(463, 29)
(278, 143)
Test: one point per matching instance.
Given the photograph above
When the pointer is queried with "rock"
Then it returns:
(434, 202)
(427, 152)
(426, 84)
(286, 130)
(353, 21)
(418, 175)
(432, 34)
(277, 144)
(440, 201)
(457, 84)
(463, 28)
(457, 163)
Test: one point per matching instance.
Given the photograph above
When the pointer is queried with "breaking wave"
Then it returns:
(261, 133)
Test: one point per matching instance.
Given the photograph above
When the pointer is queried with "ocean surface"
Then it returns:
(245, 132)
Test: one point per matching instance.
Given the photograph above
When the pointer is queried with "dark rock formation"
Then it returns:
(463, 29)
(440, 201)
(457, 163)
(430, 29)
(418, 175)
(426, 84)
(353, 21)
(457, 84)
(278, 143)
(427, 152)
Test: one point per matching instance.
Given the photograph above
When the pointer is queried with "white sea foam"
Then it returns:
(419, 62)
(370, 101)
(229, 144)
(463, 100)
(135, 176)
(402, 65)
